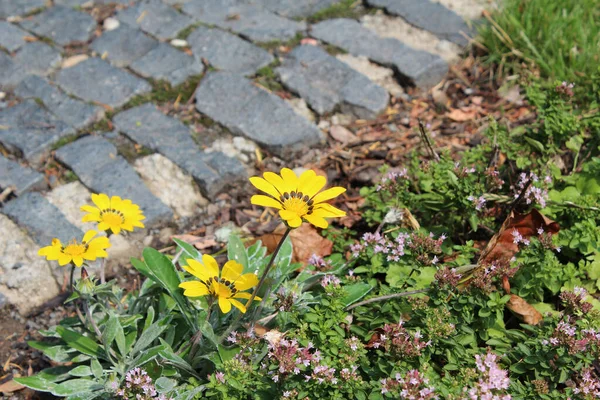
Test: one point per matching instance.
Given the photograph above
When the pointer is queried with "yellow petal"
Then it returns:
(277, 182)
(50, 252)
(290, 179)
(92, 217)
(316, 220)
(88, 236)
(115, 202)
(99, 243)
(224, 305)
(194, 289)
(287, 215)
(101, 200)
(78, 261)
(328, 211)
(328, 194)
(246, 295)
(199, 270)
(265, 186)
(232, 270)
(246, 281)
(311, 186)
(260, 200)
(238, 305)
(210, 264)
(64, 259)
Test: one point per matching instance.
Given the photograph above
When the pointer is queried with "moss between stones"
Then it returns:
(344, 9)
(267, 78)
(65, 141)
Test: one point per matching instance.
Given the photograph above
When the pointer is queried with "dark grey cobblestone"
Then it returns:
(326, 83)
(37, 58)
(22, 178)
(96, 80)
(11, 36)
(45, 223)
(9, 8)
(228, 52)
(62, 24)
(165, 62)
(430, 16)
(243, 108)
(98, 165)
(10, 73)
(248, 20)
(123, 45)
(296, 8)
(148, 126)
(156, 18)
(420, 68)
(75, 112)
(31, 130)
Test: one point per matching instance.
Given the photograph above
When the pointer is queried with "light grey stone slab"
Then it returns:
(10, 8)
(326, 83)
(123, 45)
(11, 36)
(156, 18)
(23, 179)
(430, 16)
(249, 20)
(37, 58)
(228, 52)
(74, 112)
(233, 101)
(42, 220)
(417, 67)
(30, 130)
(10, 73)
(104, 171)
(296, 8)
(148, 126)
(95, 80)
(62, 24)
(165, 62)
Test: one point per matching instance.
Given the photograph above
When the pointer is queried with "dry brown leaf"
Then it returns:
(10, 386)
(74, 60)
(342, 134)
(305, 240)
(201, 243)
(460, 115)
(311, 41)
(502, 247)
(524, 310)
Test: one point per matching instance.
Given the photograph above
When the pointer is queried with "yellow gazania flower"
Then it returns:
(89, 249)
(113, 214)
(226, 286)
(297, 198)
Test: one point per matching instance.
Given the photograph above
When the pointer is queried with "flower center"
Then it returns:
(297, 202)
(112, 217)
(75, 249)
(219, 287)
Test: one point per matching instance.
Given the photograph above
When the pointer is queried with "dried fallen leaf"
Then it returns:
(305, 240)
(72, 61)
(201, 243)
(460, 115)
(342, 134)
(10, 386)
(524, 310)
(311, 41)
(511, 94)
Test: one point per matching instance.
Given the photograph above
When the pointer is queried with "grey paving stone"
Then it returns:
(296, 8)
(10, 73)
(233, 101)
(228, 52)
(11, 36)
(95, 80)
(62, 24)
(30, 130)
(42, 220)
(37, 58)
(104, 171)
(71, 3)
(148, 126)
(420, 68)
(167, 63)
(430, 16)
(21, 178)
(249, 20)
(74, 112)
(156, 18)
(326, 83)
(9, 8)
(123, 45)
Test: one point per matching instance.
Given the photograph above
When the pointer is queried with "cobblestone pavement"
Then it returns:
(82, 81)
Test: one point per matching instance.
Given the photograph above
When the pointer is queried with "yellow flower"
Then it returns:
(226, 286)
(297, 198)
(89, 249)
(113, 214)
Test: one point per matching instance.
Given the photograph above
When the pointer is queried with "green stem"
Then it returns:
(197, 338)
(71, 277)
(235, 323)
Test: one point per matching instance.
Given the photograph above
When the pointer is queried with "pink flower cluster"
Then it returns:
(330, 281)
(389, 180)
(566, 88)
(447, 277)
(393, 248)
(518, 238)
(291, 358)
(479, 202)
(533, 194)
(493, 380)
(396, 340)
(464, 171)
(587, 385)
(566, 335)
(413, 386)
(575, 301)
(484, 278)
(319, 262)
(139, 386)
